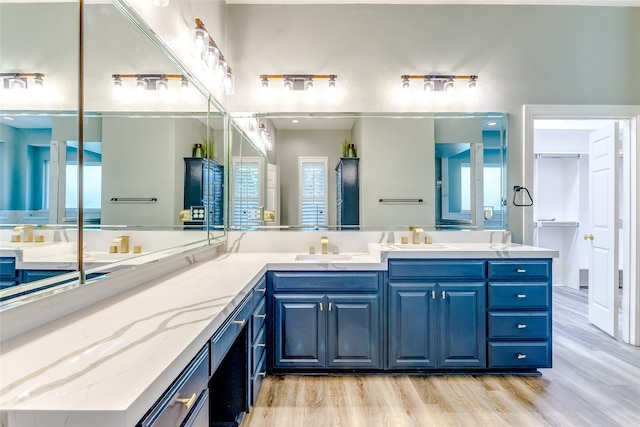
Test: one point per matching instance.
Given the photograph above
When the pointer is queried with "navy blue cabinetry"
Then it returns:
(325, 320)
(204, 186)
(519, 314)
(348, 192)
(437, 315)
(8, 274)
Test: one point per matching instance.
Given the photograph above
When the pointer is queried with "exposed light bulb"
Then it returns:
(221, 71)
(332, 82)
(428, 85)
(449, 85)
(264, 83)
(211, 57)
(288, 84)
(228, 84)
(141, 84)
(473, 83)
(184, 83)
(308, 84)
(406, 83)
(199, 41)
(17, 83)
(162, 85)
(38, 81)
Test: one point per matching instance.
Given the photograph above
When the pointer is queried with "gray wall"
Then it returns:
(523, 55)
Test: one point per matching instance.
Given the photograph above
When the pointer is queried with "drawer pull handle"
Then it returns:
(521, 356)
(521, 326)
(262, 374)
(329, 306)
(320, 306)
(443, 295)
(240, 322)
(261, 316)
(186, 402)
(521, 270)
(521, 295)
(433, 294)
(261, 290)
(261, 345)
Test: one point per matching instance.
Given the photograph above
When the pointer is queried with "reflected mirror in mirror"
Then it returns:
(137, 148)
(396, 163)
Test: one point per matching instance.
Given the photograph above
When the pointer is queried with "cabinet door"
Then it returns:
(462, 325)
(299, 331)
(353, 335)
(412, 325)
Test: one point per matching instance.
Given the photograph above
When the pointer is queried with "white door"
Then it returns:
(603, 212)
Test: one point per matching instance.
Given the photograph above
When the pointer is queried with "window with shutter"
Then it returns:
(247, 192)
(313, 191)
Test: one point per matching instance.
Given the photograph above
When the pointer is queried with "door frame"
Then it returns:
(631, 183)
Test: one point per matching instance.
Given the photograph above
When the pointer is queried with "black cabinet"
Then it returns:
(204, 187)
(348, 192)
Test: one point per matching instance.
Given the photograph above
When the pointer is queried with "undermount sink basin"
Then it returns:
(323, 257)
(419, 246)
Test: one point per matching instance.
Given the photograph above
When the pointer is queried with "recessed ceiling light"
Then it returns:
(295, 121)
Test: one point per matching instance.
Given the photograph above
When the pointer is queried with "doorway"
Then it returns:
(566, 231)
(562, 217)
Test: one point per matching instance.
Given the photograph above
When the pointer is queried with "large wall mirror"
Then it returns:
(444, 171)
(153, 148)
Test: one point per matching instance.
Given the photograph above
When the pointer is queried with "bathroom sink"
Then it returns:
(323, 257)
(419, 246)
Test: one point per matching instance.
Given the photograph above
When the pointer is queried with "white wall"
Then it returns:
(397, 161)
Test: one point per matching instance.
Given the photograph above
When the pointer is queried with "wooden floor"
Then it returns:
(595, 381)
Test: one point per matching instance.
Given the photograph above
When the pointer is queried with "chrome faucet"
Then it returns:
(324, 241)
(416, 234)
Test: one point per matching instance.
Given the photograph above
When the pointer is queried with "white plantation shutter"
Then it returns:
(313, 191)
(247, 194)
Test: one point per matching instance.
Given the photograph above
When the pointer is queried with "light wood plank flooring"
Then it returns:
(595, 381)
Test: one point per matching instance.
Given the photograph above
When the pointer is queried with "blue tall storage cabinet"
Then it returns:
(348, 192)
(204, 186)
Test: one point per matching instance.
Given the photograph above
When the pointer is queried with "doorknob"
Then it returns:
(588, 237)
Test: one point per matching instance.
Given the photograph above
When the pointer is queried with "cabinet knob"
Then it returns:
(521, 326)
(588, 237)
(521, 356)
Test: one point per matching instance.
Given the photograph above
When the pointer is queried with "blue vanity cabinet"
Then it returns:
(519, 314)
(8, 274)
(437, 314)
(325, 320)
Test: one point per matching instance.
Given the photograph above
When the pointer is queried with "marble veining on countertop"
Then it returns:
(106, 364)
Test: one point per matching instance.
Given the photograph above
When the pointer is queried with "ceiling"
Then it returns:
(633, 3)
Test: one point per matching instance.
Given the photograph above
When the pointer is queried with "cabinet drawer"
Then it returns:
(258, 319)
(516, 295)
(326, 281)
(258, 348)
(7, 283)
(7, 267)
(440, 268)
(532, 325)
(256, 380)
(168, 410)
(259, 292)
(520, 269)
(223, 339)
(519, 355)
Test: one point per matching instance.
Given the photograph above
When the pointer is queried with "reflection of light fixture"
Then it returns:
(21, 80)
(265, 137)
(299, 81)
(145, 82)
(405, 82)
(438, 82)
(205, 50)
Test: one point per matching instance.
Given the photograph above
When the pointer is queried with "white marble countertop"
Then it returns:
(105, 365)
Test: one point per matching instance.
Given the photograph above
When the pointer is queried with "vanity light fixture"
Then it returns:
(144, 82)
(438, 82)
(205, 50)
(22, 80)
(299, 81)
